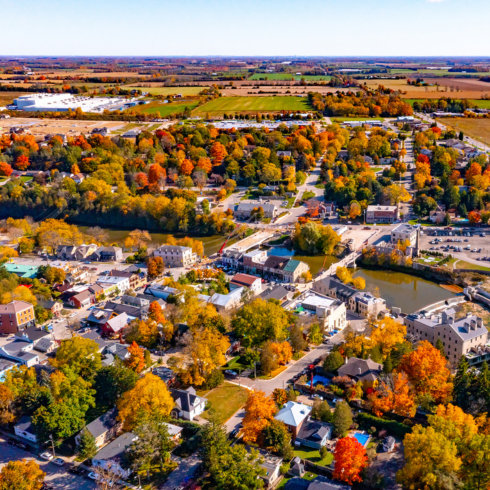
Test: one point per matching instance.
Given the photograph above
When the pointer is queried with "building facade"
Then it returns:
(176, 256)
(381, 214)
(15, 316)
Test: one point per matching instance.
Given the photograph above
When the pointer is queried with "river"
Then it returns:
(404, 291)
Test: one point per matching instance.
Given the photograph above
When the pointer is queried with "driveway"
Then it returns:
(56, 477)
(187, 467)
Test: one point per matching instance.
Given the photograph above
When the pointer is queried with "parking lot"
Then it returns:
(56, 477)
(462, 244)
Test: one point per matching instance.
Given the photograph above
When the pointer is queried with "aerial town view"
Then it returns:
(245, 257)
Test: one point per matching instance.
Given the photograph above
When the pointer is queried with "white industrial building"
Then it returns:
(64, 102)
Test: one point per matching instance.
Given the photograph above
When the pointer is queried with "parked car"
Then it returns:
(47, 456)
(229, 372)
(58, 462)
(76, 470)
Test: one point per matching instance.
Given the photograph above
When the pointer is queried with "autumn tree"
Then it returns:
(136, 359)
(394, 395)
(427, 372)
(156, 174)
(5, 169)
(149, 397)
(22, 162)
(350, 459)
(359, 283)
(344, 274)
(259, 411)
(6, 404)
(21, 475)
(218, 153)
(387, 333)
(155, 266)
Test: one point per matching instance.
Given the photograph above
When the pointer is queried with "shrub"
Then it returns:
(394, 428)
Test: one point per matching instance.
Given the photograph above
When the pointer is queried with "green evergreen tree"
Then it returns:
(87, 447)
(462, 385)
(483, 382)
(333, 361)
(388, 365)
(440, 347)
(342, 419)
(376, 354)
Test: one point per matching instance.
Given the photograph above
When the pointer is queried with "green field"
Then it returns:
(166, 109)
(289, 76)
(166, 90)
(254, 104)
(345, 118)
(482, 104)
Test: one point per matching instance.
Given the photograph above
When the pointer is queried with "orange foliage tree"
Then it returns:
(186, 167)
(141, 179)
(218, 153)
(5, 169)
(136, 359)
(394, 397)
(205, 164)
(156, 173)
(427, 372)
(22, 162)
(259, 410)
(350, 459)
(474, 217)
(473, 171)
(282, 351)
(155, 313)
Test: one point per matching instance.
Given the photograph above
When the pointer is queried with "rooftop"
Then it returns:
(293, 413)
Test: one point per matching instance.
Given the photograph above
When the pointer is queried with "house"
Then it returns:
(293, 415)
(284, 268)
(389, 444)
(20, 270)
(381, 214)
(297, 467)
(224, 302)
(84, 252)
(459, 337)
(111, 456)
(279, 293)
(245, 209)
(176, 256)
(99, 317)
(437, 216)
(112, 284)
(131, 311)
(54, 307)
(272, 466)
(136, 279)
(32, 334)
(165, 374)
(25, 429)
(108, 254)
(404, 232)
(115, 325)
(46, 346)
(232, 258)
(20, 351)
(65, 252)
(187, 404)
(319, 483)
(174, 431)
(136, 301)
(103, 429)
(253, 283)
(16, 315)
(5, 366)
(364, 370)
(314, 433)
(83, 299)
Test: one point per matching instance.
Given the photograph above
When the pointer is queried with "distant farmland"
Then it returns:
(475, 127)
(165, 90)
(254, 104)
(289, 76)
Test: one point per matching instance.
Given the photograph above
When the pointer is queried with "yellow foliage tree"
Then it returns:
(344, 274)
(283, 351)
(21, 475)
(20, 293)
(394, 397)
(359, 283)
(149, 397)
(387, 333)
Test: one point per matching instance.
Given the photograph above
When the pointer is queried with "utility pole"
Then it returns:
(52, 444)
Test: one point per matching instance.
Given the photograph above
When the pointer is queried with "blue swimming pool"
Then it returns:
(317, 379)
(361, 438)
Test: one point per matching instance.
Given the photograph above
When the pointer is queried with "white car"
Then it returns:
(73, 315)
(93, 476)
(46, 456)
(58, 462)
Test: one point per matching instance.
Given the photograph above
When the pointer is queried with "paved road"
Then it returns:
(186, 468)
(56, 477)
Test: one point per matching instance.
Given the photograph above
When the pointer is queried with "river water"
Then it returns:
(410, 293)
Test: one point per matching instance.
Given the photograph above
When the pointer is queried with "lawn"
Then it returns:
(158, 476)
(166, 90)
(253, 104)
(25, 178)
(235, 364)
(313, 455)
(376, 169)
(225, 401)
(289, 76)
(272, 375)
(476, 128)
(2, 178)
(462, 264)
(166, 109)
(482, 104)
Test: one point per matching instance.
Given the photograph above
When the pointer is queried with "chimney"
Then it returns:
(360, 371)
(473, 324)
(346, 361)
(467, 326)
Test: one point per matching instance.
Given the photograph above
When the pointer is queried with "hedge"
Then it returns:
(394, 428)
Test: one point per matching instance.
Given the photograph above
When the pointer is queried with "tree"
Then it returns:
(112, 381)
(22, 162)
(350, 459)
(6, 402)
(474, 217)
(5, 169)
(152, 445)
(427, 371)
(321, 411)
(354, 210)
(297, 340)
(423, 205)
(156, 174)
(260, 321)
(462, 391)
(396, 194)
(387, 333)
(155, 266)
(344, 274)
(87, 446)
(394, 395)
(186, 167)
(429, 457)
(475, 470)
(21, 475)
(268, 359)
(259, 411)
(359, 283)
(276, 435)
(315, 334)
(149, 397)
(342, 418)
(332, 362)
(142, 332)
(136, 359)
(80, 354)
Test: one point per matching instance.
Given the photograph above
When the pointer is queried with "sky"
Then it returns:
(245, 27)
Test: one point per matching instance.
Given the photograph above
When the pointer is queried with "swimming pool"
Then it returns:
(361, 438)
(317, 379)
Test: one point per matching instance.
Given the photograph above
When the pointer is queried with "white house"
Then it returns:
(253, 283)
(187, 404)
(176, 256)
(25, 429)
(111, 283)
(110, 457)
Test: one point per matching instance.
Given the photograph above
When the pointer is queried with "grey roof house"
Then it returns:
(103, 429)
(187, 404)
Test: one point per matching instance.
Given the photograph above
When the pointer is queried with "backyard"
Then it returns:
(253, 104)
(313, 455)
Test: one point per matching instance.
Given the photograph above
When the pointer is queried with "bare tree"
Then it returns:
(98, 233)
(107, 476)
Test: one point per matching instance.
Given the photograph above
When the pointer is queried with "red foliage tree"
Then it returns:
(350, 460)
(156, 173)
(22, 162)
(423, 159)
(141, 179)
(5, 169)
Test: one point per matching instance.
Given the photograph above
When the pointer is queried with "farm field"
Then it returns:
(476, 128)
(346, 118)
(288, 76)
(482, 104)
(165, 109)
(244, 91)
(8, 97)
(164, 90)
(254, 104)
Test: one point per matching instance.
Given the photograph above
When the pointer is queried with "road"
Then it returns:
(56, 477)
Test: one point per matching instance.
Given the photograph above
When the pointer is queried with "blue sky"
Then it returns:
(246, 27)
